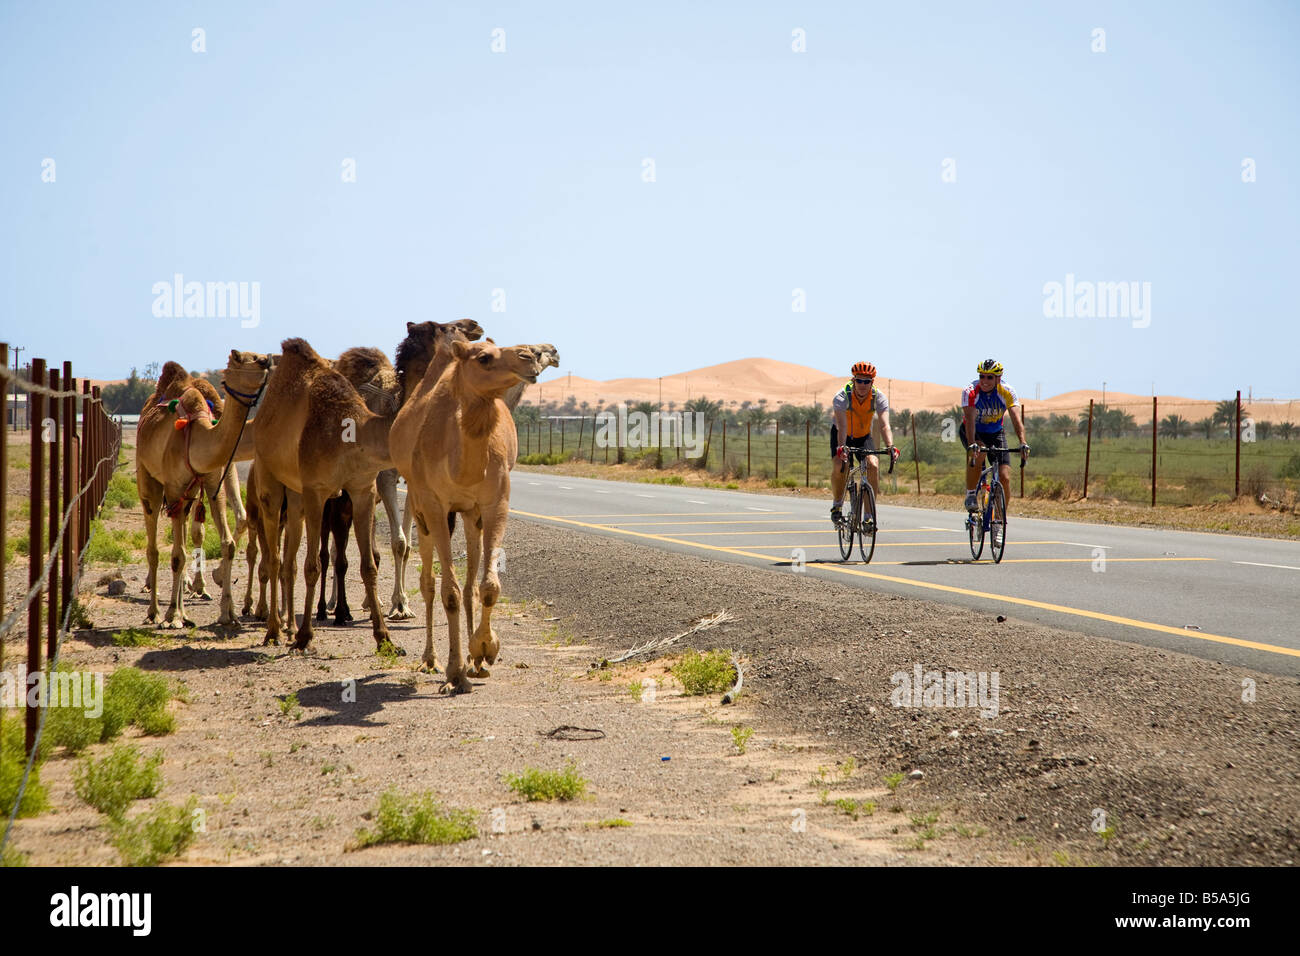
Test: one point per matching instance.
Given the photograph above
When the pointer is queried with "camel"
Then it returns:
(546, 356)
(454, 441)
(315, 436)
(180, 456)
(172, 382)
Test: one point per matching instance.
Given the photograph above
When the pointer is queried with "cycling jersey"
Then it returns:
(858, 414)
(989, 407)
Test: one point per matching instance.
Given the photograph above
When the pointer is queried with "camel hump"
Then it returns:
(298, 347)
(171, 372)
(362, 365)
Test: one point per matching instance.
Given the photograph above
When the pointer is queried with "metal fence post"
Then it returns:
(1087, 452)
(1155, 425)
(52, 616)
(1237, 486)
(36, 406)
(807, 453)
(916, 458)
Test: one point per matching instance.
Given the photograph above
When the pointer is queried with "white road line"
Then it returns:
(1258, 564)
(645, 496)
(535, 484)
(752, 508)
(1082, 545)
(696, 501)
(602, 492)
(567, 487)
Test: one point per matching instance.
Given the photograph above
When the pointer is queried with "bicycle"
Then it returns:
(861, 517)
(991, 501)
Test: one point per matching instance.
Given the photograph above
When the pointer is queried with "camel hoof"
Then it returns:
(400, 614)
(388, 647)
(479, 671)
(271, 640)
(488, 648)
(341, 619)
(322, 614)
(456, 685)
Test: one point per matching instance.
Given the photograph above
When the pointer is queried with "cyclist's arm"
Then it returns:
(969, 413)
(1016, 423)
(840, 423)
(886, 432)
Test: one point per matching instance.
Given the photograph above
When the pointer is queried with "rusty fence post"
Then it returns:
(36, 407)
(55, 517)
(69, 480)
(749, 445)
(916, 458)
(807, 453)
(4, 490)
(1236, 493)
(1087, 451)
(1155, 424)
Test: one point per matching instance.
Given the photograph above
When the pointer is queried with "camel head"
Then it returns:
(546, 355)
(246, 372)
(489, 368)
(192, 407)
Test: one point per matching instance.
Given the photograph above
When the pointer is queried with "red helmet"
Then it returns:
(865, 369)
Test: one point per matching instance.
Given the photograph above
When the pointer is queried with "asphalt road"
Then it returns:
(1220, 597)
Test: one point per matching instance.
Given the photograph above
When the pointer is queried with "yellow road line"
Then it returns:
(1039, 560)
(663, 514)
(932, 586)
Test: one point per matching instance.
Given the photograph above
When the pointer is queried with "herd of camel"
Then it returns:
(328, 438)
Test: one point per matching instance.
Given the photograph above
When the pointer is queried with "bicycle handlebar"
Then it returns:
(987, 448)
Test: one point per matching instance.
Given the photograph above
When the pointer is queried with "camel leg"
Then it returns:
(374, 551)
(237, 502)
(399, 569)
(457, 680)
(484, 644)
(363, 513)
(473, 553)
(151, 494)
(253, 520)
(327, 520)
(386, 485)
(427, 591)
(332, 601)
(342, 525)
(199, 586)
(222, 575)
(175, 617)
(307, 506)
(270, 495)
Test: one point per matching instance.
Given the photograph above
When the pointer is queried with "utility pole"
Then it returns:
(16, 351)
(1103, 394)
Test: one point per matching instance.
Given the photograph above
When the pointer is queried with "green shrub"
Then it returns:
(417, 818)
(709, 673)
(1290, 468)
(110, 785)
(156, 836)
(133, 697)
(107, 547)
(121, 492)
(534, 784)
(13, 761)
(1044, 487)
(782, 483)
(1127, 487)
(555, 458)
(951, 484)
(1043, 444)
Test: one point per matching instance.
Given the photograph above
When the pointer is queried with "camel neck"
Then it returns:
(372, 436)
(210, 448)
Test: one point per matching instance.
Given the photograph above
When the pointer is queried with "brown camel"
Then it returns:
(172, 382)
(180, 457)
(454, 441)
(315, 436)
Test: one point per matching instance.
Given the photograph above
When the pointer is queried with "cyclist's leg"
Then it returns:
(873, 465)
(1004, 472)
(972, 470)
(839, 472)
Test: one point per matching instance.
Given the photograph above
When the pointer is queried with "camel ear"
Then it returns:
(234, 356)
(459, 349)
(489, 342)
(410, 326)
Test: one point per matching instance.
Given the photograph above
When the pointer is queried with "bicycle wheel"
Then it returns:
(975, 525)
(998, 524)
(847, 525)
(867, 539)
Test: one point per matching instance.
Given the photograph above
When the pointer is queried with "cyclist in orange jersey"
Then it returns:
(854, 408)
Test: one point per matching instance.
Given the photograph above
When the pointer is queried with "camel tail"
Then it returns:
(451, 522)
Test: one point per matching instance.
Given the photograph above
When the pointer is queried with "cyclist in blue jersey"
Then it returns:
(984, 403)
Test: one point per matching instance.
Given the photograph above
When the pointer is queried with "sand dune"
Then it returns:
(780, 383)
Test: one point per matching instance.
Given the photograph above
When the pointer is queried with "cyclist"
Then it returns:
(984, 403)
(854, 407)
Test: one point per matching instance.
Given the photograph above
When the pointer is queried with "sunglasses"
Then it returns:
(989, 377)
(863, 381)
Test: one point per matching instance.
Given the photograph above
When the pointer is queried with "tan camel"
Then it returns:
(180, 457)
(315, 436)
(454, 441)
(546, 356)
(172, 382)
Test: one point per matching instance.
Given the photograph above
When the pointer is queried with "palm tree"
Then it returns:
(1175, 426)
(1207, 425)
(925, 422)
(1064, 424)
(1285, 430)
(1262, 430)
(1225, 412)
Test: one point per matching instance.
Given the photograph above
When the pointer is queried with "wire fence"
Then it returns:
(1196, 453)
(71, 462)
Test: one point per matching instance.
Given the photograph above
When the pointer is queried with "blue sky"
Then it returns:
(774, 171)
